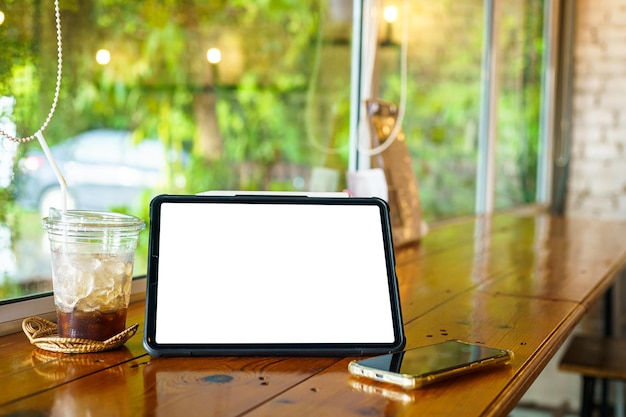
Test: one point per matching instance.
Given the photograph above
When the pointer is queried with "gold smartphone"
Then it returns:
(417, 367)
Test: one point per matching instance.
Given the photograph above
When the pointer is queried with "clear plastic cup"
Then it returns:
(92, 265)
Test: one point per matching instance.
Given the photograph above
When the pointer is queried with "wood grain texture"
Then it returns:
(32, 370)
(520, 281)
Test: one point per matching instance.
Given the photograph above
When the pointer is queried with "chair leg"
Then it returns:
(604, 405)
(620, 406)
(588, 385)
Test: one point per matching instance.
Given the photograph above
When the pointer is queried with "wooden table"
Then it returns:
(520, 281)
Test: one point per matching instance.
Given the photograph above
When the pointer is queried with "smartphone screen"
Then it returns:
(417, 367)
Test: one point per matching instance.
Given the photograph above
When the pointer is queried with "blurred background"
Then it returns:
(183, 97)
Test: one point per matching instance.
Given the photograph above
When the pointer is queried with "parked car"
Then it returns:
(103, 168)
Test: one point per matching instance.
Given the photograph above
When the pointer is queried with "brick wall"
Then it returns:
(597, 184)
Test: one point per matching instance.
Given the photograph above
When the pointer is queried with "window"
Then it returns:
(248, 95)
(442, 123)
(234, 95)
(443, 98)
(519, 102)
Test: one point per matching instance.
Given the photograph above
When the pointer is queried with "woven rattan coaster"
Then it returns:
(43, 334)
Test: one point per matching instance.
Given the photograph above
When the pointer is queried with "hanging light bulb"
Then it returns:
(214, 56)
(103, 57)
(390, 14)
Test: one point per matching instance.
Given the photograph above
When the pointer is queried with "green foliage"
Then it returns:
(260, 124)
(157, 73)
(520, 104)
(273, 107)
(443, 104)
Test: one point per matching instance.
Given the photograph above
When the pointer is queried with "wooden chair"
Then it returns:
(596, 357)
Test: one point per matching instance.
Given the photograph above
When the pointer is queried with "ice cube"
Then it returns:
(89, 282)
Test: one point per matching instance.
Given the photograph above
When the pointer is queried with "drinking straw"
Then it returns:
(55, 167)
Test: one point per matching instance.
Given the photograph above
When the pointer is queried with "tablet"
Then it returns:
(271, 275)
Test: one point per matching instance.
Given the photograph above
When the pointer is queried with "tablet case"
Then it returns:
(271, 275)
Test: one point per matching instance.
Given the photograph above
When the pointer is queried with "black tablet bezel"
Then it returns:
(267, 349)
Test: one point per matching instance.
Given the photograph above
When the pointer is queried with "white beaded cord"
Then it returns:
(4, 134)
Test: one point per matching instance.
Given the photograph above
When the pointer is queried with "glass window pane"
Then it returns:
(443, 97)
(232, 94)
(520, 75)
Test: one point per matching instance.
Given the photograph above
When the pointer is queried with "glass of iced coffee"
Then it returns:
(92, 256)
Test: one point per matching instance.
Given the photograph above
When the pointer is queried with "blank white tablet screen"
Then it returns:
(272, 273)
